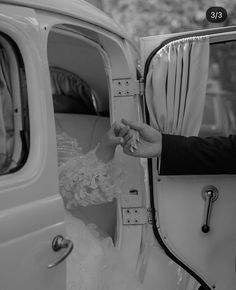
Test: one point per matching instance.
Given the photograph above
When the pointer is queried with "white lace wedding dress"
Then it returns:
(94, 264)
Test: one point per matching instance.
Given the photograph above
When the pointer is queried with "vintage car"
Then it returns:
(66, 60)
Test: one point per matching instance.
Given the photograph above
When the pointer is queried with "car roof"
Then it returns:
(78, 9)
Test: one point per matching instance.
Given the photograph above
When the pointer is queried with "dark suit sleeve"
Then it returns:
(195, 155)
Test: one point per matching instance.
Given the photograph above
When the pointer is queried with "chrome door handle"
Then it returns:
(59, 243)
(210, 195)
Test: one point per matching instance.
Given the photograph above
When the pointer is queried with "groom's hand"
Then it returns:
(150, 140)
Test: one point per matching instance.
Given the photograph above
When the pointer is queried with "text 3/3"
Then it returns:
(216, 14)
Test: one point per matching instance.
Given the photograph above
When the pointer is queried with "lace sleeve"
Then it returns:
(84, 180)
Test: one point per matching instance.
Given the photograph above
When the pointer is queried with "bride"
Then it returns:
(93, 178)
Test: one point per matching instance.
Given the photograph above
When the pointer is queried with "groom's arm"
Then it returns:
(195, 155)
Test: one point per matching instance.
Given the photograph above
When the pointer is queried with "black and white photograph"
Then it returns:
(117, 145)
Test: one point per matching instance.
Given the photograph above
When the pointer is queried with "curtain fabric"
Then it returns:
(6, 114)
(176, 86)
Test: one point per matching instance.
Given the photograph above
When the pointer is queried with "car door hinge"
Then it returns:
(136, 216)
(127, 87)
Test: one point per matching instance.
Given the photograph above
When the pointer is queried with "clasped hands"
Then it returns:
(138, 140)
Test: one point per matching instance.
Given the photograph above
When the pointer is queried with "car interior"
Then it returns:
(80, 89)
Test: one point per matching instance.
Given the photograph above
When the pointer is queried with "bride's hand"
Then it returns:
(113, 137)
(107, 146)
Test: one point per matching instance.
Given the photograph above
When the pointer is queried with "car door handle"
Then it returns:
(59, 243)
(210, 195)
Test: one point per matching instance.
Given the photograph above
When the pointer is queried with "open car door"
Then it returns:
(195, 214)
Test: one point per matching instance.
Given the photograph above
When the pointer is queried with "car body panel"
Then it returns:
(80, 10)
(31, 210)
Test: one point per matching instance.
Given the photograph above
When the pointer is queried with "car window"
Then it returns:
(14, 142)
(219, 116)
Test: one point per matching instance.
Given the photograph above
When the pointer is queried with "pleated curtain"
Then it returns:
(176, 86)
